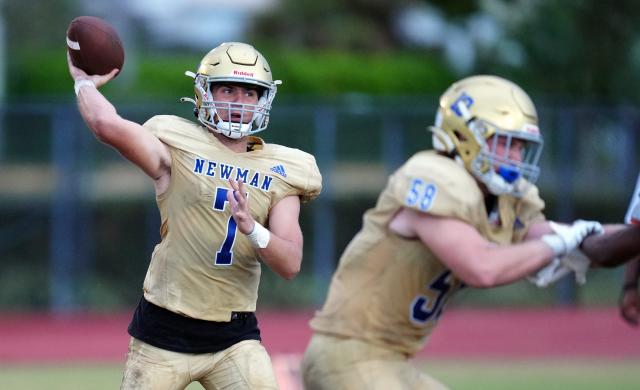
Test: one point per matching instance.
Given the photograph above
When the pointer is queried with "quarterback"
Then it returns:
(228, 200)
(465, 214)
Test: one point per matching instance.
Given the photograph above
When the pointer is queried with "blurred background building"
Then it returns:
(361, 82)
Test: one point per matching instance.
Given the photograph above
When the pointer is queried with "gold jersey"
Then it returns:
(391, 291)
(204, 267)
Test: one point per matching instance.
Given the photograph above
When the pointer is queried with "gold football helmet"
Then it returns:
(233, 62)
(476, 114)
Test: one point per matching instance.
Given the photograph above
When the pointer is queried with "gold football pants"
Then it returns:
(245, 365)
(332, 363)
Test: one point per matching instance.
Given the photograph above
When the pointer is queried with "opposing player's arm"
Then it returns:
(129, 138)
(471, 257)
(618, 245)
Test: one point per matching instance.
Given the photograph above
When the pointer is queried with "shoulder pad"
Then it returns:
(437, 185)
(297, 168)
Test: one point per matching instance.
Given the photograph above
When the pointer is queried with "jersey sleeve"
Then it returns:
(154, 124)
(174, 131)
(437, 185)
(302, 175)
(159, 126)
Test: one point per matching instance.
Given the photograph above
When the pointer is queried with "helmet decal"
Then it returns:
(464, 99)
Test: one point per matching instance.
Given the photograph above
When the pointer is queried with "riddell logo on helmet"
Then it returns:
(242, 73)
(531, 129)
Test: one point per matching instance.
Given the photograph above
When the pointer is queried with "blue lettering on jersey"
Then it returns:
(225, 171)
(423, 309)
(211, 169)
(206, 167)
(198, 165)
(421, 194)
(224, 255)
(255, 180)
(241, 174)
(266, 183)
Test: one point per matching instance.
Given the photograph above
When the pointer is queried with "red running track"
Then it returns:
(462, 333)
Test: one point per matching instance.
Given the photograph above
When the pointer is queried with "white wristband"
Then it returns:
(259, 236)
(82, 83)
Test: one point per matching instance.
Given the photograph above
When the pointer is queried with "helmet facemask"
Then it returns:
(493, 165)
(252, 119)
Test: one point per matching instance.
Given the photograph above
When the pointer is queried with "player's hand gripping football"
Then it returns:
(98, 80)
(238, 201)
(565, 243)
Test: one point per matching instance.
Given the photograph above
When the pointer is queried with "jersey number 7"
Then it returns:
(224, 255)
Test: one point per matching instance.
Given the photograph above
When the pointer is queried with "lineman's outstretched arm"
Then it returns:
(475, 260)
(573, 262)
(480, 263)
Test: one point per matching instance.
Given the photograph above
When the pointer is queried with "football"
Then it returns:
(94, 45)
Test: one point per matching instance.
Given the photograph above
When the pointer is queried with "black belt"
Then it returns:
(240, 315)
(168, 330)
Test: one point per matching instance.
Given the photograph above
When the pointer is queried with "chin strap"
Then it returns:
(230, 129)
(440, 140)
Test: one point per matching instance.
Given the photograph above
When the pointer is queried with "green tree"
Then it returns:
(356, 25)
(37, 23)
(584, 48)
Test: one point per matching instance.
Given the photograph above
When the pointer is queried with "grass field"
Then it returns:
(530, 375)
(460, 374)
